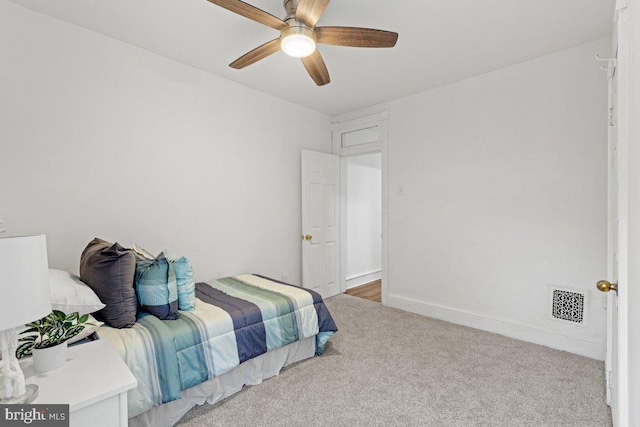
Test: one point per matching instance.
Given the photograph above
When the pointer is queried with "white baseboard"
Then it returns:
(581, 346)
(361, 279)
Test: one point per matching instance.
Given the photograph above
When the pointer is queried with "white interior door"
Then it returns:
(320, 222)
(617, 346)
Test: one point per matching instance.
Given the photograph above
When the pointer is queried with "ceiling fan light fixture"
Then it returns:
(298, 42)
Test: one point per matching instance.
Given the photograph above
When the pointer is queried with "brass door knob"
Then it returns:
(605, 286)
(306, 237)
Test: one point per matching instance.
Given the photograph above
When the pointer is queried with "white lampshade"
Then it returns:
(24, 280)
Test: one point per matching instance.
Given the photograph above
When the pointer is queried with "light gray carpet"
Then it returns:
(386, 367)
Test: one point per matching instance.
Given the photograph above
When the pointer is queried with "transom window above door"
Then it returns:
(362, 135)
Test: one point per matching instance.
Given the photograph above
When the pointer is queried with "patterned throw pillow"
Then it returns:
(156, 286)
(186, 285)
(183, 276)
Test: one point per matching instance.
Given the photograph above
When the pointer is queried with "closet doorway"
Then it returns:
(361, 203)
(361, 145)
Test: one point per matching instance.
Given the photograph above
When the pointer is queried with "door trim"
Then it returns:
(619, 394)
(382, 121)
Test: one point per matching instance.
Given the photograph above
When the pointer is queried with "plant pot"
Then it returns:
(48, 359)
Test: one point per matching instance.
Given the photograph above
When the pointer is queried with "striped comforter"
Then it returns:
(235, 319)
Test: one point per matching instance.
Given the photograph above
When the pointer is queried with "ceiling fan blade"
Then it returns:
(316, 68)
(356, 37)
(309, 11)
(256, 54)
(251, 12)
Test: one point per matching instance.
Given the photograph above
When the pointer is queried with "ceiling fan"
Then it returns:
(299, 35)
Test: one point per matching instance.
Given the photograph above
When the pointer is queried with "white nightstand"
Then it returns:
(94, 382)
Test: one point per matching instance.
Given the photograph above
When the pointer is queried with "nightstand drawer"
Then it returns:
(106, 413)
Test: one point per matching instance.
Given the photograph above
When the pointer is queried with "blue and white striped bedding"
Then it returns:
(235, 319)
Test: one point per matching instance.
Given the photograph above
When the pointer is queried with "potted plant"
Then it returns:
(47, 339)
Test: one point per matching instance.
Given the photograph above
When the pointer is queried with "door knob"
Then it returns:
(605, 286)
(306, 237)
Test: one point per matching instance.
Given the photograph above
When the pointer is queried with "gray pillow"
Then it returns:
(109, 269)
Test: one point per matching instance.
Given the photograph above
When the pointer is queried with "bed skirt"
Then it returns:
(251, 372)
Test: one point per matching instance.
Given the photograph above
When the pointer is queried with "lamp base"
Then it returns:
(29, 396)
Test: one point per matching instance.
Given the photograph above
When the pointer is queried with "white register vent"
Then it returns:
(568, 306)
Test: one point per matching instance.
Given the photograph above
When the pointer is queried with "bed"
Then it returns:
(243, 329)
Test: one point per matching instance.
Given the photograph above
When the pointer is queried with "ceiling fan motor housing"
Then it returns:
(297, 28)
(290, 6)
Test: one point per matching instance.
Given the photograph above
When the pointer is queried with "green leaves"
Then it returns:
(24, 349)
(28, 338)
(28, 331)
(53, 329)
(56, 333)
(73, 332)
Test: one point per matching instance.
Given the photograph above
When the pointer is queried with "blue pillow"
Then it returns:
(156, 286)
(186, 285)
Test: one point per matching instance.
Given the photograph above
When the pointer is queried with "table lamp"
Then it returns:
(24, 297)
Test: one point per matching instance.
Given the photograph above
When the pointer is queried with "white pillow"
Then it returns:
(69, 294)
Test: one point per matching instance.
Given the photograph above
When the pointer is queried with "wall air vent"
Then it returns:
(568, 306)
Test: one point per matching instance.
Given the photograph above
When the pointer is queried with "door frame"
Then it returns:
(381, 120)
(617, 380)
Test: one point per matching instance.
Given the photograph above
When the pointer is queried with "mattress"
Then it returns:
(236, 319)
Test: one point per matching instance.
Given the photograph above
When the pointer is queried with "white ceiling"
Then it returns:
(440, 41)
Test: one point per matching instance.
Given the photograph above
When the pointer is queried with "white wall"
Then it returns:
(363, 210)
(99, 138)
(505, 185)
(504, 174)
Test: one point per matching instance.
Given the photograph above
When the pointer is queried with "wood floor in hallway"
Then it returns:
(371, 291)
